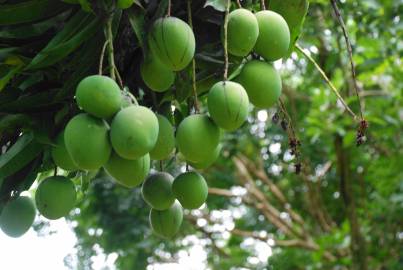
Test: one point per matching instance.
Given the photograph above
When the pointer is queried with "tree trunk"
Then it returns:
(358, 248)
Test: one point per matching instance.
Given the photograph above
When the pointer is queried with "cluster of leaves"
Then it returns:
(46, 47)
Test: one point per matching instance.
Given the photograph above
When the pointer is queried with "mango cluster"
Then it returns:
(123, 138)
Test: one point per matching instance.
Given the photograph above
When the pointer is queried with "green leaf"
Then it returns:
(216, 4)
(54, 54)
(136, 18)
(294, 12)
(29, 11)
(20, 154)
(13, 70)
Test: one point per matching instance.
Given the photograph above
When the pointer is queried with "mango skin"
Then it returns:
(228, 105)
(87, 142)
(99, 96)
(172, 41)
(207, 163)
(243, 31)
(129, 173)
(55, 197)
(17, 216)
(134, 132)
(197, 137)
(274, 35)
(166, 223)
(190, 189)
(166, 140)
(262, 83)
(157, 191)
(155, 75)
(60, 155)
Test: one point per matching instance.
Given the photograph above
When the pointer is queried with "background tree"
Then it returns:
(292, 177)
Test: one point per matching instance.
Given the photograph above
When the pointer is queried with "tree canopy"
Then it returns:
(317, 177)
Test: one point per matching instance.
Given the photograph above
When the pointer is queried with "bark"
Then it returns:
(357, 246)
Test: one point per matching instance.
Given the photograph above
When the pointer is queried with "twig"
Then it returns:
(120, 81)
(109, 36)
(101, 58)
(350, 53)
(228, 3)
(262, 5)
(194, 87)
(169, 8)
(239, 3)
(332, 87)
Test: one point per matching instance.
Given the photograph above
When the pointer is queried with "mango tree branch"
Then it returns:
(327, 80)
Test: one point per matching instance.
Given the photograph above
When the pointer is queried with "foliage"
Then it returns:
(49, 46)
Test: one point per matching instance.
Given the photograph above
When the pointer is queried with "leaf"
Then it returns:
(136, 18)
(19, 154)
(52, 55)
(29, 11)
(218, 5)
(294, 12)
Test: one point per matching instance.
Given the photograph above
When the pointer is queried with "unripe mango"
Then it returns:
(262, 83)
(129, 173)
(243, 31)
(166, 223)
(207, 163)
(55, 197)
(228, 105)
(60, 155)
(134, 132)
(157, 190)
(87, 141)
(190, 189)
(173, 42)
(99, 96)
(17, 216)
(274, 35)
(166, 140)
(155, 75)
(197, 138)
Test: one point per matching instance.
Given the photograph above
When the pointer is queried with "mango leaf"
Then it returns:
(30, 11)
(294, 12)
(216, 4)
(136, 18)
(53, 55)
(19, 154)
(31, 30)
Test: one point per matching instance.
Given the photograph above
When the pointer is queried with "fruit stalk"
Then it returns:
(228, 3)
(109, 37)
(101, 58)
(196, 102)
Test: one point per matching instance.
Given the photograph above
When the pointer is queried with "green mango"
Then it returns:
(60, 155)
(262, 83)
(243, 31)
(134, 132)
(197, 138)
(55, 197)
(17, 216)
(274, 35)
(87, 142)
(166, 140)
(166, 223)
(190, 189)
(228, 105)
(129, 173)
(155, 75)
(157, 190)
(99, 96)
(172, 41)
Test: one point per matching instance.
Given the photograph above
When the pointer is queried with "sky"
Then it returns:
(47, 252)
